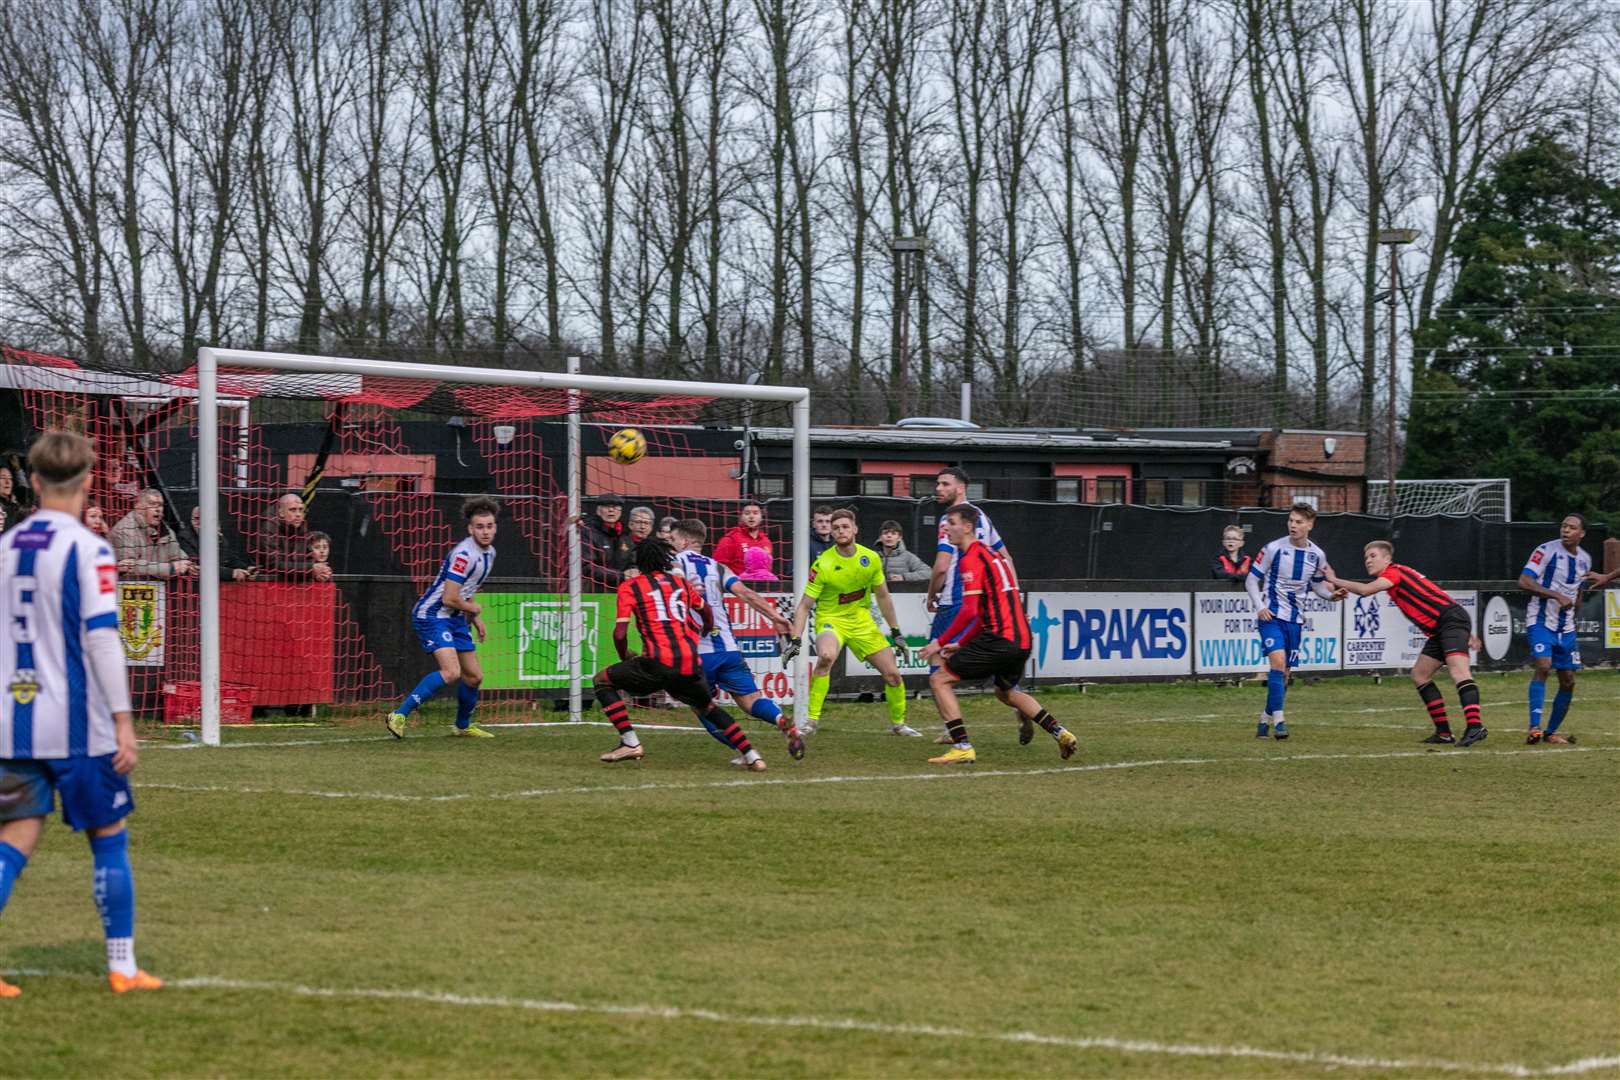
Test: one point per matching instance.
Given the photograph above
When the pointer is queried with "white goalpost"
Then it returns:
(211, 360)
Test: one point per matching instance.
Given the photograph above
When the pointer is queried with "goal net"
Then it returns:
(1490, 500)
(282, 515)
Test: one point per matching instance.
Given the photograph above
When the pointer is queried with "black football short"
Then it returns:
(988, 657)
(640, 676)
(1451, 633)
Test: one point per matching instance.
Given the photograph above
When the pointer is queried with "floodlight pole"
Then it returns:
(1393, 239)
(576, 610)
(208, 542)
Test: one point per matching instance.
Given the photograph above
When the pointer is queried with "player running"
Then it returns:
(842, 581)
(442, 618)
(723, 665)
(65, 723)
(663, 605)
(1554, 576)
(944, 588)
(1278, 580)
(988, 639)
(1432, 610)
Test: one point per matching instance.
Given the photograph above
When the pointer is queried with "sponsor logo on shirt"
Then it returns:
(1535, 560)
(107, 579)
(458, 565)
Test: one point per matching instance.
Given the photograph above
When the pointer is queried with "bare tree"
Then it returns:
(1261, 63)
(541, 41)
(970, 62)
(717, 23)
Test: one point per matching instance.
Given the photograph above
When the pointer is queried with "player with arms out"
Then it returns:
(1554, 576)
(447, 616)
(65, 722)
(843, 580)
(663, 605)
(723, 663)
(988, 639)
(1280, 576)
(1432, 610)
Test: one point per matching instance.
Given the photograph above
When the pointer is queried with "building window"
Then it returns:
(823, 487)
(770, 487)
(1067, 490)
(1110, 489)
(875, 485)
(922, 485)
(1153, 492)
(1192, 493)
(975, 490)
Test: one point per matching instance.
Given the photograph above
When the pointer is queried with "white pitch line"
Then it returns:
(960, 774)
(1150, 1047)
(277, 745)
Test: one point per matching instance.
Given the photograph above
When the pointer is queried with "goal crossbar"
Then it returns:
(210, 360)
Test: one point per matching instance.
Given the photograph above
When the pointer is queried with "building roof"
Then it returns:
(987, 439)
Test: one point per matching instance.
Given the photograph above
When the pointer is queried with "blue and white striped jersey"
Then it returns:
(1285, 574)
(715, 581)
(469, 566)
(58, 583)
(1555, 567)
(950, 591)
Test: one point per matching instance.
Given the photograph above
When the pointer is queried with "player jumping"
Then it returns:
(1554, 576)
(1277, 583)
(663, 605)
(842, 580)
(442, 617)
(988, 639)
(1432, 610)
(65, 723)
(723, 663)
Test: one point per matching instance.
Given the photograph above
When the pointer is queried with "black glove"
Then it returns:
(790, 648)
(902, 651)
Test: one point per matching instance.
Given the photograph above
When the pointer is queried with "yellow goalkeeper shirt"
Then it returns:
(843, 584)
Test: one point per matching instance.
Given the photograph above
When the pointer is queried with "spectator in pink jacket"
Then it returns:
(757, 565)
(749, 533)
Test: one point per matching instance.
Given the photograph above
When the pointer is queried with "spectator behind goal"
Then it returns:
(282, 549)
(232, 567)
(898, 563)
(145, 546)
(749, 532)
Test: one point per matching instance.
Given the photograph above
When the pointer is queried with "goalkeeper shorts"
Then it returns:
(857, 632)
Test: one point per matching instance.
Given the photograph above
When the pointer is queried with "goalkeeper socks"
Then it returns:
(1436, 705)
(12, 862)
(1538, 700)
(765, 709)
(895, 697)
(1276, 684)
(431, 684)
(819, 685)
(1560, 708)
(958, 733)
(618, 714)
(115, 899)
(466, 702)
(1468, 694)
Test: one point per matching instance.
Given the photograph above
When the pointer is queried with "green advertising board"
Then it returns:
(525, 649)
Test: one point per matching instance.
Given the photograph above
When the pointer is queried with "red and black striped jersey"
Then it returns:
(1419, 599)
(1001, 608)
(666, 612)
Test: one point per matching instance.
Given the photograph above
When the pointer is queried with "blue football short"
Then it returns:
(728, 671)
(942, 622)
(1276, 634)
(1565, 653)
(444, 634)
(94, 794)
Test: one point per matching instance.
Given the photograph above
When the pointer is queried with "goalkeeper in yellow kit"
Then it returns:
(843, 581)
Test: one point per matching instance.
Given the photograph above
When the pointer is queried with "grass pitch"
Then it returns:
(1178, 899)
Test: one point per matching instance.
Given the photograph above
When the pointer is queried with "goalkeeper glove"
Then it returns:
(790, 648)
(901, 649)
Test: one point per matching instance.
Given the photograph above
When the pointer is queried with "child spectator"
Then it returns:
(757, 565)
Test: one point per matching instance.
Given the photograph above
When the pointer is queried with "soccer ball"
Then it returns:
(627, 446)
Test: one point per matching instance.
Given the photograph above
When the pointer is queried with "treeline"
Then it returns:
(1134, 201)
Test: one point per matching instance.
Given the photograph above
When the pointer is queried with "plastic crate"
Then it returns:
(182, 703)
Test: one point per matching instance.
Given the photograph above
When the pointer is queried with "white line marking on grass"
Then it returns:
(280, 744)
(802, 781)
(870, 1027)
